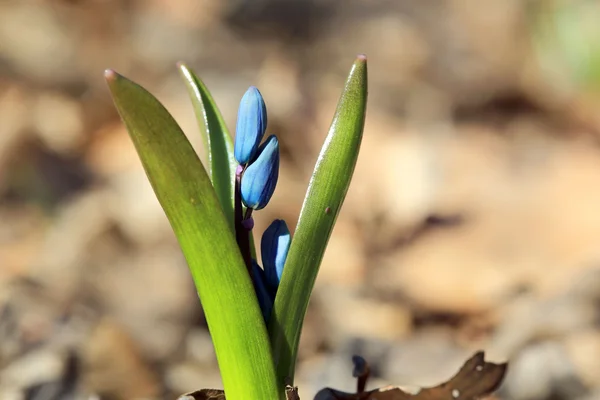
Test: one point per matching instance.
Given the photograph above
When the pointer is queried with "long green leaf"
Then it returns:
(216, 138)
(326, 192)
(191, 205)
(218, 144)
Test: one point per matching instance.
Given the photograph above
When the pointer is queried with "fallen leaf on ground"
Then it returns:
(476, 379)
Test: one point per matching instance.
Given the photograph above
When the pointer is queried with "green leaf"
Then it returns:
(217, 141)
(326, 192)
(184, 190)
(218, 145)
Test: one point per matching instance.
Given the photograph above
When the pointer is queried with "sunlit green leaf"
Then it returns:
(326, 192)
(184, 190)
(216, 138)
(218, 144)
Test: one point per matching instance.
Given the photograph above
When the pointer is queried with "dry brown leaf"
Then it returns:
(204, 394)
(475, 379)
(291, 393)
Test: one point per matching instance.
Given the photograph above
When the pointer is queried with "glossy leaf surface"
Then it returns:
(216, 138)
(326, 192)
(184, 190)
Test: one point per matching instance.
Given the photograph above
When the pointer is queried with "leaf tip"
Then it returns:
(185, 72)
(110, 75)
(182, 67)
(361, 57)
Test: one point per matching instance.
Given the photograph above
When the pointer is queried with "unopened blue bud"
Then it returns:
(251, 125)
(260, 178)
(274, 248)
(265, 301)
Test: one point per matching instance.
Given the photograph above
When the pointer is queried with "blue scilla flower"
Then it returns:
(260, 178)
(251, 126)
(265, 301)
(274, 248)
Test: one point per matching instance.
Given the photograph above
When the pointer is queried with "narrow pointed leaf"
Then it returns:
(217, 143)
(326, 192)
(184, 190)
(216, 138)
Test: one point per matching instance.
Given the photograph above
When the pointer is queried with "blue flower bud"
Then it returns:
(260, 178)
(251, 125)
(274, 248)
(265, 301)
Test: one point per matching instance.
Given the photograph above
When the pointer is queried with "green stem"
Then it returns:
(242, 233)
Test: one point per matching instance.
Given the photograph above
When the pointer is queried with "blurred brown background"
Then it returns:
(472, 222)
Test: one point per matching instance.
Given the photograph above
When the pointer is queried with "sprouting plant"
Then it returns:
(255, 313)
